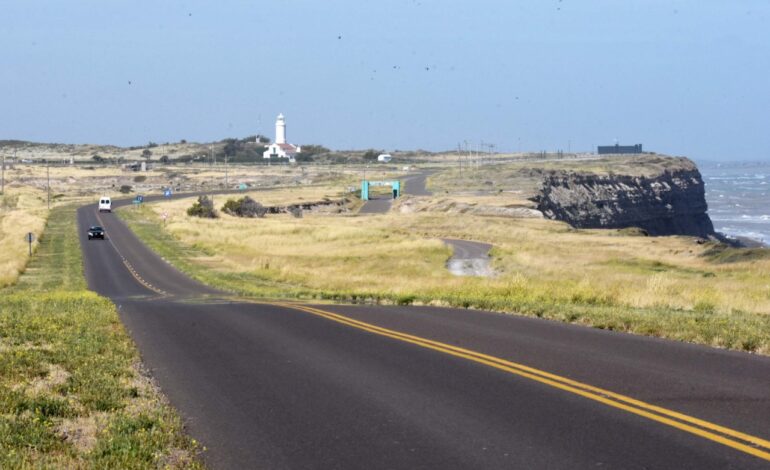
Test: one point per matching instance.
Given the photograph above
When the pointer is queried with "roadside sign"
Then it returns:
(242, 186)
(167, 192)
(139, 199)
(30, 237)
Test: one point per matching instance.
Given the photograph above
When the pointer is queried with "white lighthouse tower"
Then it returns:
(280, 130)
(280, 148)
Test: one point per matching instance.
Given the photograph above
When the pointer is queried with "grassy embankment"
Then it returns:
(71, 394)
(668, 287)
(21, 211)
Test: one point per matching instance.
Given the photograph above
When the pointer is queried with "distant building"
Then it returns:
(385, 158)
(609, 149)
(281, 149)
(137, 166)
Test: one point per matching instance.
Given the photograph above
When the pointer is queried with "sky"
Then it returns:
(686, 77)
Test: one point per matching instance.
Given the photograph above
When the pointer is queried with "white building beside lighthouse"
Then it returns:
(279, 148)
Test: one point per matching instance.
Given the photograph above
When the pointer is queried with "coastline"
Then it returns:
(737, 193)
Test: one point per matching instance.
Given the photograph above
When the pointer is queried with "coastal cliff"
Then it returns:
(670, 202)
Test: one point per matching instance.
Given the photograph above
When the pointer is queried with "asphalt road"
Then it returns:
(290, 386)
(467, 249)
(413, 184)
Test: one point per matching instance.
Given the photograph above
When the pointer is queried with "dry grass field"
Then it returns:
(522, 176)
(23, 207)
(22, 210)
(660, 286)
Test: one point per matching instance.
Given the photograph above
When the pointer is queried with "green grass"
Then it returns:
(71, 393)
(720, 253)
(637, 265)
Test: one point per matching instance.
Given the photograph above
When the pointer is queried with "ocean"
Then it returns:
(738, 197)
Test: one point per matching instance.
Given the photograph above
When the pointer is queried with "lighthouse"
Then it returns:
(280, 130)
(280, 148)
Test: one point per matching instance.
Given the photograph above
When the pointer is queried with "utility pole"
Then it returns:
(480, 156)
(226, 184)
(466, 148)
(48, 177)
(459, 155)
(2, 178)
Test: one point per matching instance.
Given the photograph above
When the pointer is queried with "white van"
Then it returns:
(105, 204)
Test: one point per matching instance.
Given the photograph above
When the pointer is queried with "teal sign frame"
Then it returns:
(365, 184)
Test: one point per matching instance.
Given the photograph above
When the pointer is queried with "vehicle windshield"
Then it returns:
(96, 228)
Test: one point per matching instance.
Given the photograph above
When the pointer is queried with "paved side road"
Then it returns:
(414, 184)
(469, 258)
(275, 386)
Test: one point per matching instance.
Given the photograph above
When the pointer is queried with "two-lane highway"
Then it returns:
(326, 386)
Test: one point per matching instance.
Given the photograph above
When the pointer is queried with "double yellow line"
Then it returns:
(743, 442)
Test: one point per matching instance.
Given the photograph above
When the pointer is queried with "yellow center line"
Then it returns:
(752, 445)
(128, 265)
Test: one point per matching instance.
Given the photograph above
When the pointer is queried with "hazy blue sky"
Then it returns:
(686, 77)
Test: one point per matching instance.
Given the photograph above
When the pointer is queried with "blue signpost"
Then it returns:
(167, 192)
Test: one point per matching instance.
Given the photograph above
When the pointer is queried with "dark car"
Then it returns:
(96, 232)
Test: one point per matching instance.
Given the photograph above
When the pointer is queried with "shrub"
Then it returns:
(303, 157)
(204, 208)
(140, 179)
(309, 151)
(371, 155)
(125, 189)
(245, 207)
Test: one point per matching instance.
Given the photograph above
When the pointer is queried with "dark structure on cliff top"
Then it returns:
(610, 149)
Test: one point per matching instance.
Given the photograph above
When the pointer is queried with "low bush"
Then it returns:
(244, 207)
(203, 207)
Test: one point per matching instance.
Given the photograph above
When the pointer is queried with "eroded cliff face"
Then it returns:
(670, 203)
